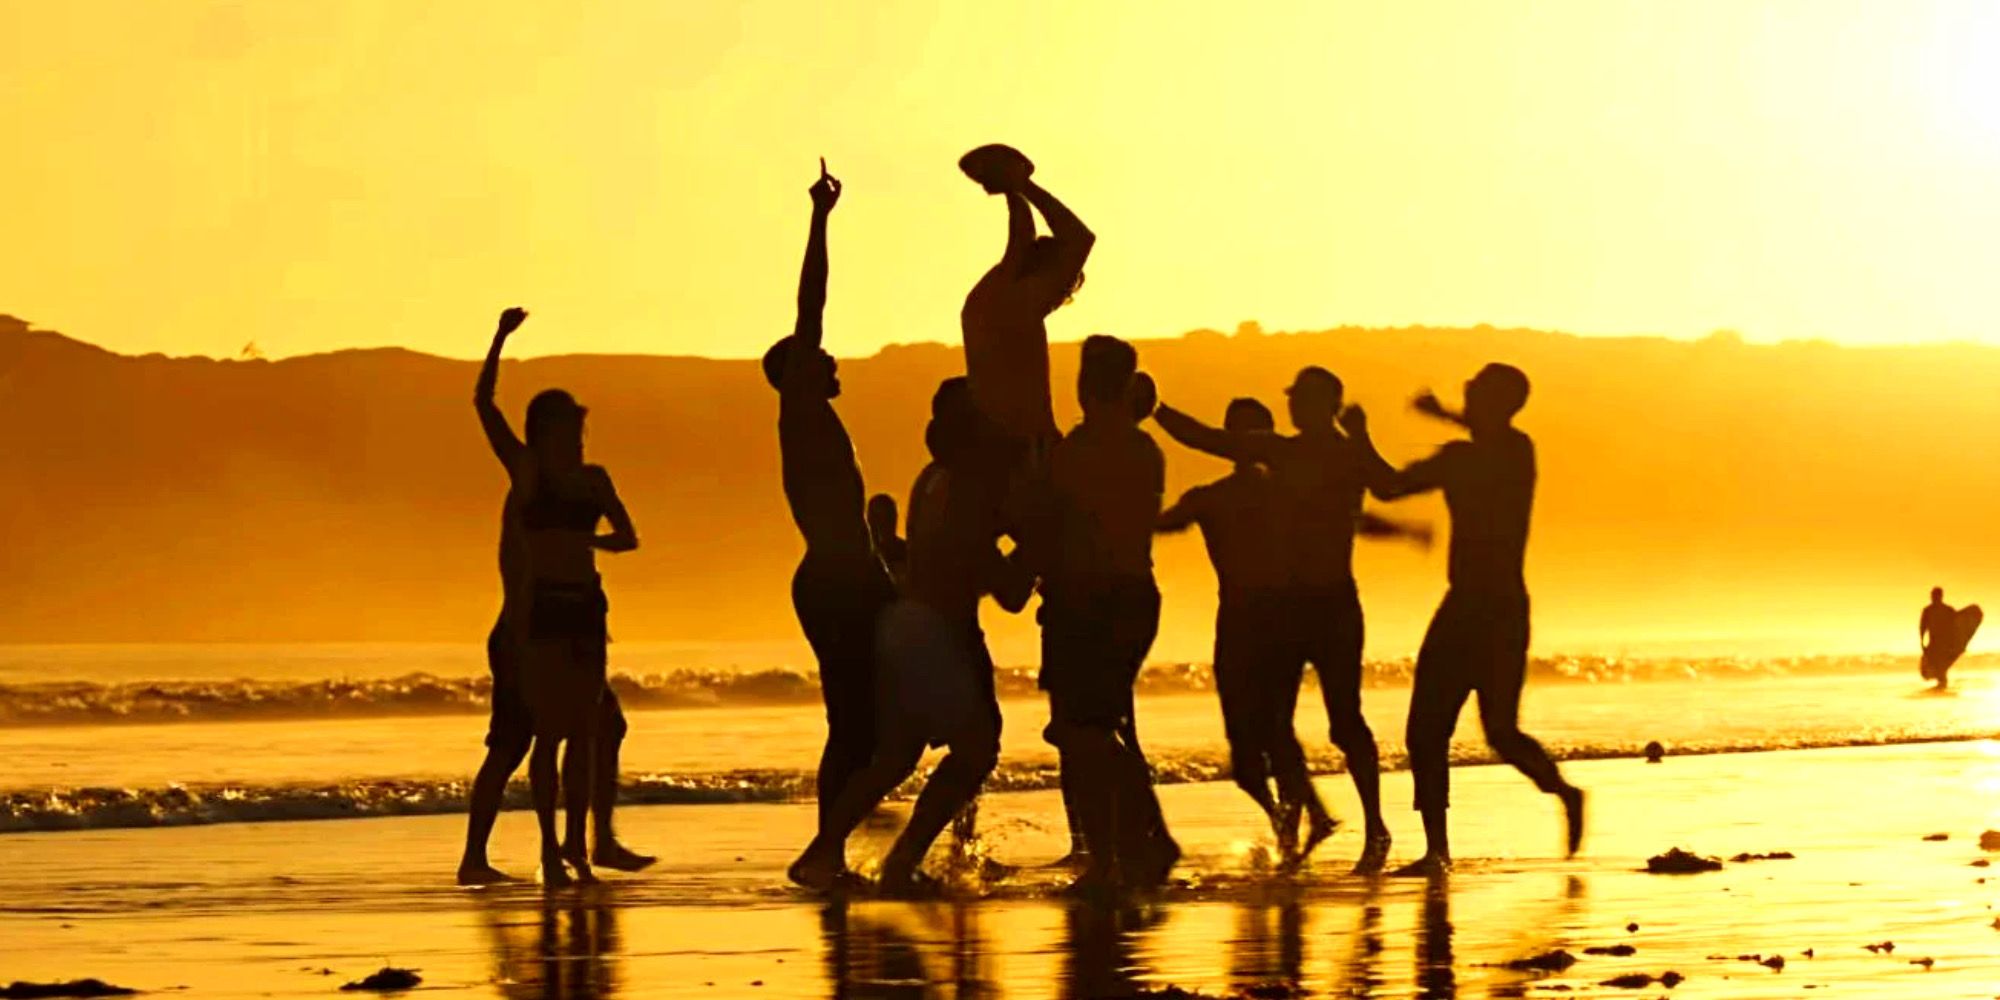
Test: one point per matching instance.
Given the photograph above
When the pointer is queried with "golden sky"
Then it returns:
(189, 176)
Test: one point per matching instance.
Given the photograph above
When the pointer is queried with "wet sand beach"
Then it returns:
(295, 909)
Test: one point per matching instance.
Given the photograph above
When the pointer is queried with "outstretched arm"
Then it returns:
(1428, 404)
(1182, 515)
(1419, 477)
(1376, 526)
(809, 330)
(622, 537)
(1191, 433)
(506, 446)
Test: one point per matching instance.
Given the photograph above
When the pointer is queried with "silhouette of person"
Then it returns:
(1100, 611)
(840, 586)
(511, 731)
(934, 681)
(1145, 394)
(1006, 343)
(883, 526)
(1942, 634)
(1240, 525)
(1477, 644)
(1319, 476)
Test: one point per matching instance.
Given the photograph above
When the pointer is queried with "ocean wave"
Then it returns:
(87, 703)
(100, 808)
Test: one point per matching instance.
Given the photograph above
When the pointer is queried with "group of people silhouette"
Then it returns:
(1008, 507)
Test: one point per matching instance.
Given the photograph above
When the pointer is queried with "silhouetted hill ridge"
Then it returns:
(1691, 489)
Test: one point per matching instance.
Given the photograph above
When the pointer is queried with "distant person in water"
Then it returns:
(934, 682)
(1101, 610)
(1319, 476)
(841, 586)
(1477, 645)
(884, 526)
(548, 650)
(1943, 632)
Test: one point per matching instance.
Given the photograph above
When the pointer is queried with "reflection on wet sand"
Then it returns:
(1358, 938)
(888, 954)
(1436, 979)
(567, 949)
(1099, 944)
(1269, 945)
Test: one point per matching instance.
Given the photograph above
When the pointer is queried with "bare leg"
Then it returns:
(576, 792)
(607, 852)
(489, 790)
(825, 858)
(955, 782)
(542, 782)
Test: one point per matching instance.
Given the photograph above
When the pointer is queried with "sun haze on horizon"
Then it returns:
(190, 177)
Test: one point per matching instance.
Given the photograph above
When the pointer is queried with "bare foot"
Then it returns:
(555, 874)
(619, 858)
(482, 874)
(1320, 828)
(1572, 800)
(815, 871)
(1162, 854)
(1285, 827)
(1428, 866)
(580, 865)
(1374, 855)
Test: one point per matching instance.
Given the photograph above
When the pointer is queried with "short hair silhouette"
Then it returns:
(1505, 387)
(549, 408)
(882, 511)
(1107, 369)
(1246, 414)
(775, 360)
(1937, 593)
(1314, 379)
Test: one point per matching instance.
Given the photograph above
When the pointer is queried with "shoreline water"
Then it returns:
(259, 910)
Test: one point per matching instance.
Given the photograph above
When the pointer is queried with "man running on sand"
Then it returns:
(1477, 644)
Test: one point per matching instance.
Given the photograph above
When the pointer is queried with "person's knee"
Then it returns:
(1349, 731)
(1247, 770)
(611, 725)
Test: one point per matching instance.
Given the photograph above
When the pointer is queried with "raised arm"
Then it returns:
(1071, 238)
(1020, 233)
(622, 537)
(1191, 433)
(1375, 471)
(506, 446)
(810, 330)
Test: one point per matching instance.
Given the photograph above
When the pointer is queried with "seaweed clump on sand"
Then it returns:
(1639, 980)
(1548, 961)
(21, 990)
(387, 979)
(1679, 862)
(1773, 856)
